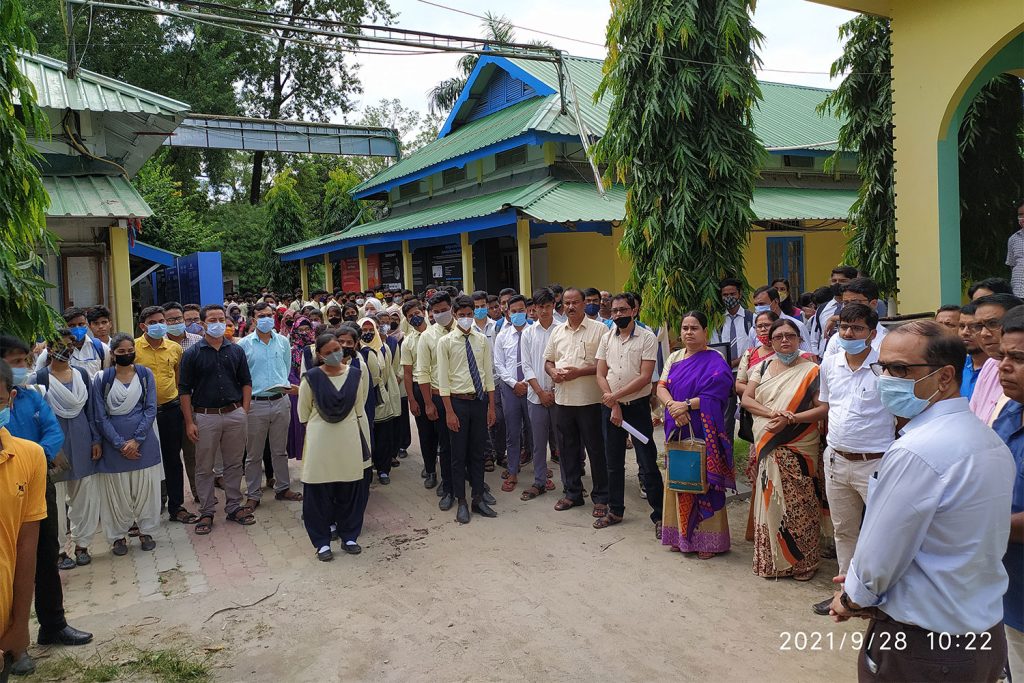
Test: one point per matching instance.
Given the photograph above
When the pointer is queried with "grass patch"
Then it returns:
(126, 663)
(740, 455)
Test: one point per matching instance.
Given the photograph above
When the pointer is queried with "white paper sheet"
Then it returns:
(635, 434)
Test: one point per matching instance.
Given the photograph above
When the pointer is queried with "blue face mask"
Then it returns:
(518, 319)
(5, 417)
(762, 309)
(78, 333)
(788, 358)
(592, 309)
(479, 313)
(194, 328)
(20, 376)
(156, 330)
(853, 346)
(216, 330)
(264, 325)
(416, 321)
(177, 329)
(898, 395)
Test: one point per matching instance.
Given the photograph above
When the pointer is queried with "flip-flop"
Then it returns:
(607, 521)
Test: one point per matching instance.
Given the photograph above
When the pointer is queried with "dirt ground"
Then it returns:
(534, 595)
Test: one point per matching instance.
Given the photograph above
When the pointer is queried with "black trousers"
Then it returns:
(638, 414)
(496, 436)
(171, 425)
(49, 593)
(444, 443)
(342, 503)
(469, 447)
(427, 433)
(385, 445)
(730, 414)
(579, 427)
(404, 431)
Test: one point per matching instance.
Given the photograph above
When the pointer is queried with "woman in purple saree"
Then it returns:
(694, 388)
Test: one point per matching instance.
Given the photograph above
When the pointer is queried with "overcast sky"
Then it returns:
(799, 36)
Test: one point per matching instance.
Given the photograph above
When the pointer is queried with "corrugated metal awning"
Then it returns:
(794, 204)
(94, 196)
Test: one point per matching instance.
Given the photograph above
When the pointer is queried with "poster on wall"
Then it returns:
(350, 274)
(391, 271)
(372, 271)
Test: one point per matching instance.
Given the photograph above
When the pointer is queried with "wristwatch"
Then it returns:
(688, 406)
(844, 600)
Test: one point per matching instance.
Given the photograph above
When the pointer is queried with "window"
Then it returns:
(450, 176)
(786, 261)
(797, 161)
(409, 190)
(513, 157)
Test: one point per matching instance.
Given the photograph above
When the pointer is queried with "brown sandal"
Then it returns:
(607, 521)
(288, 494)
(509, 485)
(600, 510)
(567, 503)
(532, 492)
(204, 525)
(243, 516)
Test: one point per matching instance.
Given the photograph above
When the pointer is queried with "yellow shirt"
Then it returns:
(408, 354)
(624, 358)
(22, 500)
(453, 375)
(425, 371)
(164, 361)
(576, 348)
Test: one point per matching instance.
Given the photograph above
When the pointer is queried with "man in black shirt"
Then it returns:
(215, 389)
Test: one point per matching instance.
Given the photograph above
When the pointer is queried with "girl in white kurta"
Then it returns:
(336, 465)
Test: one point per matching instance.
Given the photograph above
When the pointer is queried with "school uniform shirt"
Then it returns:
(624, 358)
(819, 323)
(453, 374)
(407, 352)
(507, 348)
(857, 420)
(163, 361)
(22, 500)
(734, 331)
(489, 330)
(269, 362)
(426, 354)
(535, 343)
(575, 348)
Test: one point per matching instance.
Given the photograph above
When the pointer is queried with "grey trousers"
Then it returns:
(543, 425)
(226, 434)
(514, 408)
(267, 418)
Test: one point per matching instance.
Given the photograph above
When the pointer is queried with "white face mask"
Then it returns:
(465, 324)
(444, 318)
(384, 329)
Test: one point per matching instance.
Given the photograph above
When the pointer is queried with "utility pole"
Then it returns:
(72, 57)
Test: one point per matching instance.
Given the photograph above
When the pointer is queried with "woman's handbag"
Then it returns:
(686, 465)
(746, 431)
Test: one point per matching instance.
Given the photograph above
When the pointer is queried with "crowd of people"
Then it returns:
(907, 456)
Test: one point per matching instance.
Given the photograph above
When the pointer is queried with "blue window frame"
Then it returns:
(786, 261)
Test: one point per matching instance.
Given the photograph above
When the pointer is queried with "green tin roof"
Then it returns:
(572, 202)
(90, 91)
(791, 204)
(94, 196)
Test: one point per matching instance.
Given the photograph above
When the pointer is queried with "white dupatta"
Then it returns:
(122, 399)
(67, 403)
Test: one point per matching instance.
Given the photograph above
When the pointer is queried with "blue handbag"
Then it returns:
(686, 465)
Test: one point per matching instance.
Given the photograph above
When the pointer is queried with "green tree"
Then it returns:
(680, 136)
(286, 224)
(340, 209)
(239, 230)
(23, 200)
(864, 101)
(414, 130)
(174, 225)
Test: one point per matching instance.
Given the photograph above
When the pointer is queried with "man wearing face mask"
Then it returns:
(177, 326)
(90, 354)
(928, 567)
(592, 304)
(413, 312)
(767, 299)
(496, 438)
(427, 379)
(559, 293)
(735, 331)
(466, 385)
(513, 387)
(860, 429)
(163, 357)
(269, 356)
(32, 419)
(215, 388)
(826, 317)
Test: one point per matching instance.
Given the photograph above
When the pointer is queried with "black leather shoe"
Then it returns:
(352, 548)
(68, 635)
(445, 504)
(430, 481)
(423, 473)
(462, 516)
(23, 665)
(325, 555)
(489, 499)
(441, 490)
(481, 507)
(822, 608)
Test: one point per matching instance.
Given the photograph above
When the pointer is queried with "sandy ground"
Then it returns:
(534, 595)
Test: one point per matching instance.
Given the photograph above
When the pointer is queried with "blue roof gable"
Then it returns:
(504, 84)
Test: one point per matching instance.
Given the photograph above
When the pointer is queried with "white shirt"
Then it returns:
(741, 342)
(931, 546)
(506, 345)
(535, 342)
(857, 420)
(489, 330)
(827, 311)
(832, 346)
(85, 358)
(752, 341)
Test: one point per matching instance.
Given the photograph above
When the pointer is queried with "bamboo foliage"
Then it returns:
(680, 137)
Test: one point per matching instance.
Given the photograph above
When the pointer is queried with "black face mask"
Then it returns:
(349, 352)
(351, 318)
(623, 321)
(334, 321)
(367, 337)
(125, 360)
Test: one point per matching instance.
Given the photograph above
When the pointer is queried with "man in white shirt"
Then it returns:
(928, 566)
(540, 396)
(89, 354)
(864, 291)
(513, 387)
(826, 317)
(592, 304)
(496, 438)
(738, 323)
(860, 429)
(767, 299)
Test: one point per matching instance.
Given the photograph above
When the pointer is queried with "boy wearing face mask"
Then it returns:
(860, 428)
(162, 356)
(417, 322)
(426, 377)
(90, 354)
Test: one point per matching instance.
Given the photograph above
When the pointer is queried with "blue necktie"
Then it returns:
(474, 371)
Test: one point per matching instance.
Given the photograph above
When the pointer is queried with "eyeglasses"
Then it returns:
(898, 369)
(992, 325)
(623, 311)
(766, 326)
(852, 328)
(784, 337)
